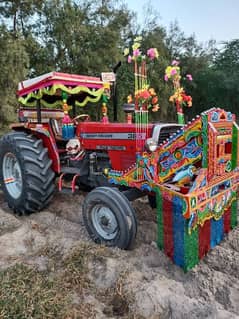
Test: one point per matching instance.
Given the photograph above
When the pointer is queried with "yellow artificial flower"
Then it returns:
(171, 98)
(138, 39)
(156, 53)
(180, 99)
(135, 46)
(155, 108)
(126, 51)
(168, 71)
(152, 91)
(129, 99)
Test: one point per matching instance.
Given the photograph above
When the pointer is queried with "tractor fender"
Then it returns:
(48, 142)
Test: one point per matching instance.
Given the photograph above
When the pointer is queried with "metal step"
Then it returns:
(72, 187)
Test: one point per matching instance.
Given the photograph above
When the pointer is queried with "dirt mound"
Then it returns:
(102, 282)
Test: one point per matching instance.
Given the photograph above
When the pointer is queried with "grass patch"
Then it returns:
(75, 265)
(27, 293)
(58, 292)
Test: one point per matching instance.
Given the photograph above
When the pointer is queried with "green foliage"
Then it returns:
(228, 58)
(83, 37)
(14, 66)
(215, 84)
(18, 14)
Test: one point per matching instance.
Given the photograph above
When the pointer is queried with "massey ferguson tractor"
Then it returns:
(47, 148)
(189, 172)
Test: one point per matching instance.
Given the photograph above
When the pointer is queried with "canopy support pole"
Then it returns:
(39, 111)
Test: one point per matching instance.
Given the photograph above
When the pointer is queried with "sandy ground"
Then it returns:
(148, 284)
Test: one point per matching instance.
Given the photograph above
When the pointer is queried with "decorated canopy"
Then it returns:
(49, 87)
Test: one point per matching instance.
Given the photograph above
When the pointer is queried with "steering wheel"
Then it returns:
(84, 117)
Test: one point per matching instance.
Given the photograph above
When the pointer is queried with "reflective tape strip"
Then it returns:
(9, 180)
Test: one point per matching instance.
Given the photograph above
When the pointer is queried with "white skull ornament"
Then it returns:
(73, 147)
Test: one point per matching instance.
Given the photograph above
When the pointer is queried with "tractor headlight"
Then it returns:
(151, 145)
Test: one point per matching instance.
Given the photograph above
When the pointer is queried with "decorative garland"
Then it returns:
(93, 95)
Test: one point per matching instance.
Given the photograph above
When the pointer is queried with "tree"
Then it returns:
(227, 58)
(217, 84)
(18, 14)
(14, 66)
(83, 36)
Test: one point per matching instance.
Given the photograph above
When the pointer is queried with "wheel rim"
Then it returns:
(12, 175)
(104, 222)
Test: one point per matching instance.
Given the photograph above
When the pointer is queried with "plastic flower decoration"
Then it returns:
(144, 97)
(152, 53)
(126, 51)
(136, 54)
(148, 97)
(189, 77)
(179, 97)
(172, 72)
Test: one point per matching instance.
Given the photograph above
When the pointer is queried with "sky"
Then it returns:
(207, 19)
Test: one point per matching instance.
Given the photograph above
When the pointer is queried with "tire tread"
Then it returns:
(38, 176)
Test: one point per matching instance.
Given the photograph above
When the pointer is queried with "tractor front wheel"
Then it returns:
(26, 176)
(109, 217)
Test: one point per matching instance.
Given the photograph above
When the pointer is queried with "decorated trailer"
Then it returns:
(195, 176)
(190, 173)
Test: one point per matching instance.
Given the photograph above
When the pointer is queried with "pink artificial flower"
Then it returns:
(175, 62)
(136, 52)
(129, 58)
(189, 77)
(151, 53)
(173, 72)
(165, 77)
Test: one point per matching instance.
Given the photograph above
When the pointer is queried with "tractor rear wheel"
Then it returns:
(109, 217)
(26, 176)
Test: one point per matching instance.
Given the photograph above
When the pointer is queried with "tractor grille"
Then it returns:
(166, 132)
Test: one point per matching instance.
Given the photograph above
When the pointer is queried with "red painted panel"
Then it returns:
(204, 238)
(117, 139)
(227, 220)
(168, 227)
(50, 144)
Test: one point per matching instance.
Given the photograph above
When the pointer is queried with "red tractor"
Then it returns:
(47, 147)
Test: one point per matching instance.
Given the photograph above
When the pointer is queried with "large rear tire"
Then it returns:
(25, 172)
(109, 218)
